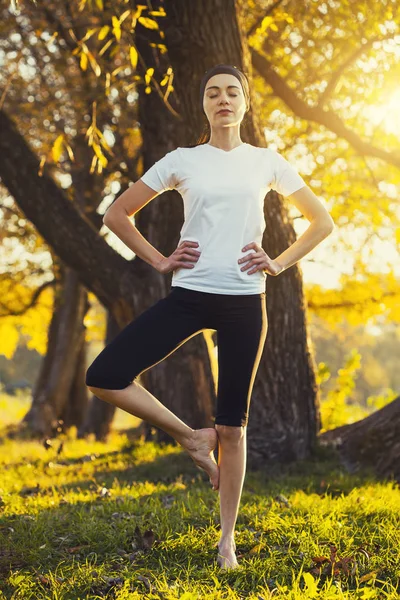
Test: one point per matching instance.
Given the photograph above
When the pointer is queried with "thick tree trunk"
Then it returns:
(56, 381)
(285, 416)
(373, 442)
(76, 407)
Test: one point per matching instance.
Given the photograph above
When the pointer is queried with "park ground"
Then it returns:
(129, 519)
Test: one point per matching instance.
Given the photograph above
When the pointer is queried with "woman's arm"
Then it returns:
(321, 225)
(117, 218)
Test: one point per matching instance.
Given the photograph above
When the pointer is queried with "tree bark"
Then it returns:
(373, 442)
(56, 383)
(100, 414)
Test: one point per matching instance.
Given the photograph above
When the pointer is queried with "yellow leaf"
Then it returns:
(93, 165)
(158, 13)
(116, 27)
(117, 70)
(368, 576)
(89, 34)
(124, 15)
(266, 22)
(94, 64)
(99, 4)
(256, 549)
(69, 150)
(104, 48)
(133, 55)
(56, 150)
(149, 23)
(103, 32)
(84, 61)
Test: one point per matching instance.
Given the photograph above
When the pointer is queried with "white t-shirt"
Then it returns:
(223, 196)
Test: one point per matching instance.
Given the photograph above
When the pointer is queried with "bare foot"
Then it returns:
(227, 557)
(200, 448)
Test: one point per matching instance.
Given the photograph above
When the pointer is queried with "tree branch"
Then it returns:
(324, 117)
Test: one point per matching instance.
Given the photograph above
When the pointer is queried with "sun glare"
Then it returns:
(387, 114)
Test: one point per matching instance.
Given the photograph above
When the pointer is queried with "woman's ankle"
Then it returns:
(227, 542)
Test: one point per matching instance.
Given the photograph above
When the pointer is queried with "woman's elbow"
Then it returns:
(111, 213)
(327, 225)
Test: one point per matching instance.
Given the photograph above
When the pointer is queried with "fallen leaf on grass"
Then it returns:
(145, 540)
(256, 549)
(369, 576)
(76, 548)
(148, 539)
(334, 564)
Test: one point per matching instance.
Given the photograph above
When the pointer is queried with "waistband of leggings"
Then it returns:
(213, 294)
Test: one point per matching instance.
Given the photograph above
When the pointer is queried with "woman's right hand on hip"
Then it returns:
(186, 251)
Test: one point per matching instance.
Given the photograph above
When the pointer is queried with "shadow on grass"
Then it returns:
(105, 530)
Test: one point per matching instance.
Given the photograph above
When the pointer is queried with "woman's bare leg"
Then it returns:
(232, 464)
(138, 401)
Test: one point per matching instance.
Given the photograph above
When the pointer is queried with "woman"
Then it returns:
(219, 272)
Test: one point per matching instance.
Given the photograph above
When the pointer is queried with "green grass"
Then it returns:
(131, 519)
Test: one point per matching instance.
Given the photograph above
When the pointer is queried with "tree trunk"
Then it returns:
(285, 417)
(100, 413)
(56, 381)
(373, 442)
(76, 407)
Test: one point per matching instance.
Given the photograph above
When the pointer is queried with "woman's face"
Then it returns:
(224, 91)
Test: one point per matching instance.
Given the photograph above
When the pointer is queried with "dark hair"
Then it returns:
(204, 136)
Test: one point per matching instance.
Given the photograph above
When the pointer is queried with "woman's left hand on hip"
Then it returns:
(258, 261)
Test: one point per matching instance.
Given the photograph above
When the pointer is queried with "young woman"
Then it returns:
(219, 272)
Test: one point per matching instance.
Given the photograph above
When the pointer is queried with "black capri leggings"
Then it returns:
(241, 325)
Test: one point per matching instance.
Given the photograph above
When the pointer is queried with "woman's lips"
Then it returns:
(224, 112)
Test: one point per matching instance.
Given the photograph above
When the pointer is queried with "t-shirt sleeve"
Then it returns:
(286, 179)
(163, 174)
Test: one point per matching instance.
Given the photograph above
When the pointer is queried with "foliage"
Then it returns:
(337, 407)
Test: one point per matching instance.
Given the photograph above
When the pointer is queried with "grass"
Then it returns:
(131, 519)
